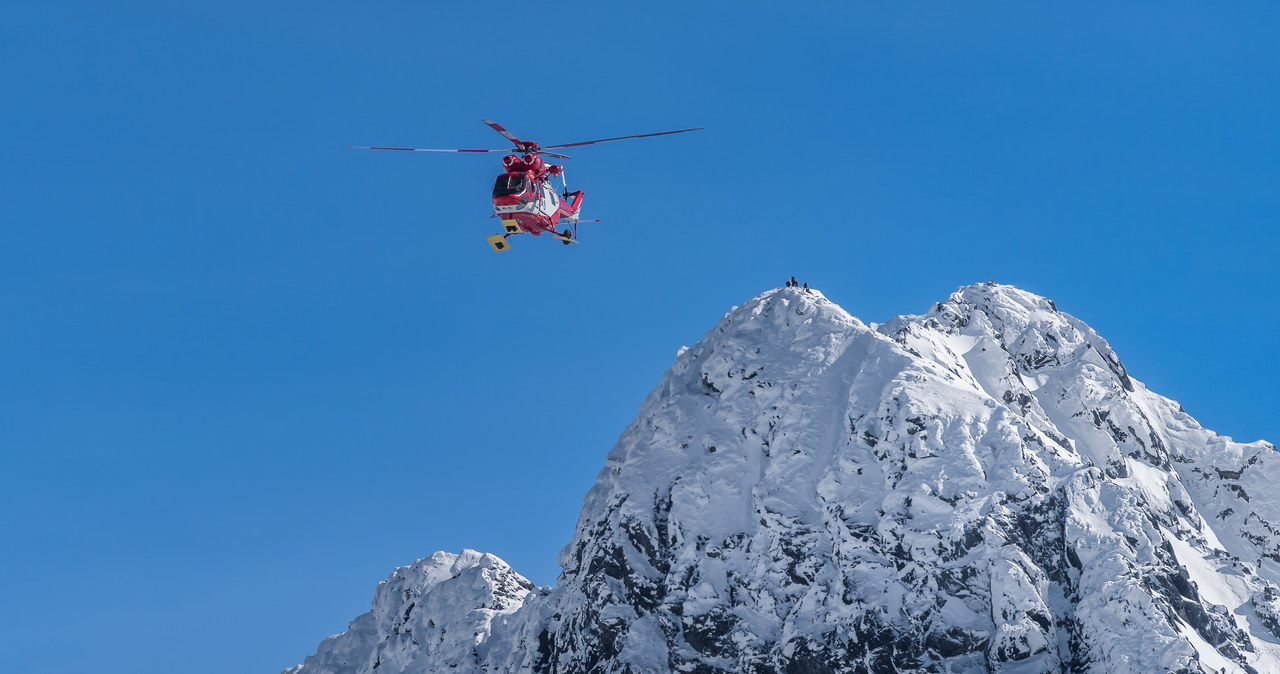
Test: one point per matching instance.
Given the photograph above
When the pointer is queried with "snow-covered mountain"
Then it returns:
(982, 488)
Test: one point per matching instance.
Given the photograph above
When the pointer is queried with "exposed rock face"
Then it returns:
(980, 488)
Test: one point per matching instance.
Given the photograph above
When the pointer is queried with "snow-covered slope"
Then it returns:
(979, 488)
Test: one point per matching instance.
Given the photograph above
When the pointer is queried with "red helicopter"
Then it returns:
(523, 196)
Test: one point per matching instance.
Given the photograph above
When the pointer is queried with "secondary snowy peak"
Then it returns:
(979, 488)
(434, 614)
(1069, 385)
(1019, 349)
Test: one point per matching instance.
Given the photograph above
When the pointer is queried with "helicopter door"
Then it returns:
(552, 201)
(546, 199)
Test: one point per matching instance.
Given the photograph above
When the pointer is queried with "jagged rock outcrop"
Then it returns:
(980, 488)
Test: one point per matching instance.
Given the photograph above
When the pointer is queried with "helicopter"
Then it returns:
(522, 194)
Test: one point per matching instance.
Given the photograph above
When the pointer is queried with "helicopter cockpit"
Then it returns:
(510, 184)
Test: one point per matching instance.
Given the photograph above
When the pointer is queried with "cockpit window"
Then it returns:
(510, 183)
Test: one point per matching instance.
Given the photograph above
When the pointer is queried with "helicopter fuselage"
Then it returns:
(524, 195)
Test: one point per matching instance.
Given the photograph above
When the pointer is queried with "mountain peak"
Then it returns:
(992, 295)
(979, 488)
(998, 308)
(786, 308)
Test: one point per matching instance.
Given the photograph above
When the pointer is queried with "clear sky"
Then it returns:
(246, 371)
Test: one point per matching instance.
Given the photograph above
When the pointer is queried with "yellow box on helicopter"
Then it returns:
(499, 243)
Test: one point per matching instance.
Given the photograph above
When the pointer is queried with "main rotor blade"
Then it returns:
(417, 149)
(505, 134)
(424, 149)
(606, 140)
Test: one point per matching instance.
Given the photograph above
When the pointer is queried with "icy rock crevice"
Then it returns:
(980, 488)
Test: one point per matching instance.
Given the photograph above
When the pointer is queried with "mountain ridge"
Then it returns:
(982, 487)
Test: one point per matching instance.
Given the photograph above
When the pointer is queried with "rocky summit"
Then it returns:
(981, 488)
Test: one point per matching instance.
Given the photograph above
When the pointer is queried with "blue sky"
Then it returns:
(247, 371)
